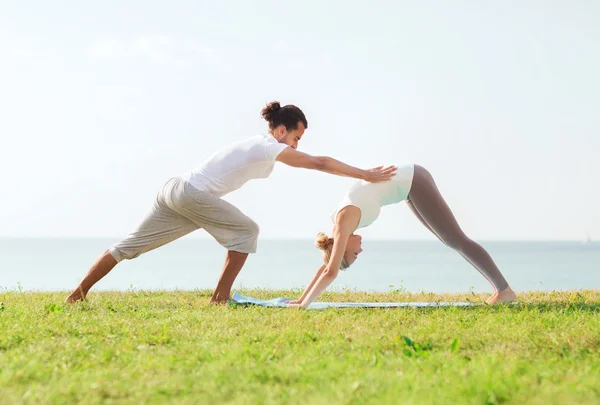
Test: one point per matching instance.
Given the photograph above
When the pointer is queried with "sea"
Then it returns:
(195, 264)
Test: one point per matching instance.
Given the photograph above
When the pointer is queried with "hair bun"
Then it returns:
(269, 110)
(323, 241)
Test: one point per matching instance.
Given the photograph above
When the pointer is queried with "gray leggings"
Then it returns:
(426, 202)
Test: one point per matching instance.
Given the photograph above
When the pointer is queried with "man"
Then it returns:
(193, 201)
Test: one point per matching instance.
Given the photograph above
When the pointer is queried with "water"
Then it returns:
(188, 264)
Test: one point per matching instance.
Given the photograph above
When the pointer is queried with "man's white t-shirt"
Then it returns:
(231, 167)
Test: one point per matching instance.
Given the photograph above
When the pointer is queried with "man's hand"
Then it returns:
(379, 174)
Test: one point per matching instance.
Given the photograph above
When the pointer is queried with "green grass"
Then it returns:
(172, 347)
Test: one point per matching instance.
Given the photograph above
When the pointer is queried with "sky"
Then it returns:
(103, 102)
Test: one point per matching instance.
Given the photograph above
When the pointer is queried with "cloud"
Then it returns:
(205, 55)
(112, 102)
(105, 49)
(194, 48)
(281, 46)
(19, 55)
(155, 49)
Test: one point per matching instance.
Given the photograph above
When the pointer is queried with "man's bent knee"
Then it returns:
(124, 253)
(246, 240)
(252, 228)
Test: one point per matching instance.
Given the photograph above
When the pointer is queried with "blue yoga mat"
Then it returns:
(279, 302)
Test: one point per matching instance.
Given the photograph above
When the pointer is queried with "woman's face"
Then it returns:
(353, 248)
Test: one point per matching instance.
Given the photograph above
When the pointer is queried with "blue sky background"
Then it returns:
(101, 103)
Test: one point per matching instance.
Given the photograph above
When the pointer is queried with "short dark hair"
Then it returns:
(288, 115)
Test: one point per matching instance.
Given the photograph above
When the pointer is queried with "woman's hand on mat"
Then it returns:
(294, 304)
(379, 174)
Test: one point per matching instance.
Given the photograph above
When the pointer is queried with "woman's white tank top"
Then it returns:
(370, 197)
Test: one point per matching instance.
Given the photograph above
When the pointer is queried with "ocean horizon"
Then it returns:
(58, 264)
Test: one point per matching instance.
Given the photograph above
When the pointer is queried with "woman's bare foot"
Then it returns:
(506, 295)
(76, 295)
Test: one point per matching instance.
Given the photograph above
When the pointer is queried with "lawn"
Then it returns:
(172, 347)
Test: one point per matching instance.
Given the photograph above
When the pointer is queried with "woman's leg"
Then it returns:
(411, 206)
(426, 200)
(426, 225)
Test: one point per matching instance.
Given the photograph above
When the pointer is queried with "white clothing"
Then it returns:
(231, 167)
(180, 208)
(370, 197)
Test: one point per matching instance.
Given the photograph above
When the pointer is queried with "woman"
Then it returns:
(193, 201)
(360, 208)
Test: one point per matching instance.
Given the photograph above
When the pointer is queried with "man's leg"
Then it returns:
(101, 267)
(230, 227)
(240, 238)
(159, 227)
(233, 264)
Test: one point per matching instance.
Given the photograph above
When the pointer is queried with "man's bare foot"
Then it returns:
(76, 295)
(506, 295)
(220, 298)
(221, 301)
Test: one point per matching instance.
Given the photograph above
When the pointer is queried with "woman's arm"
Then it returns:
(292, 157)
(309, 287)
(340, 237)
